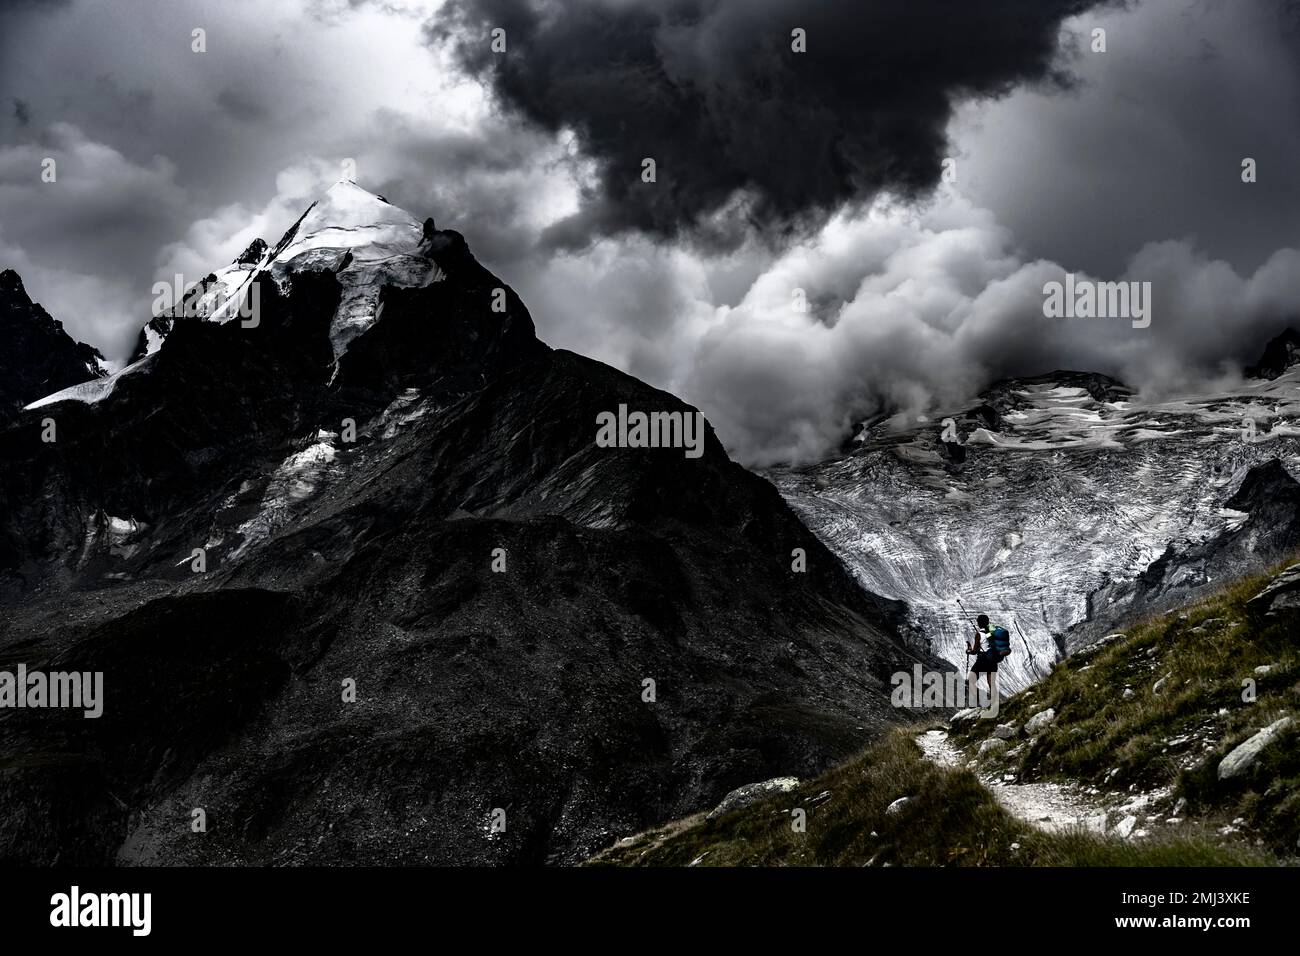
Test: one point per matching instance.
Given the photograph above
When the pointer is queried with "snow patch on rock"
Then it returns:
(90, 392)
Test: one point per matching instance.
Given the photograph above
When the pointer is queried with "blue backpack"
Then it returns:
(1000, 639)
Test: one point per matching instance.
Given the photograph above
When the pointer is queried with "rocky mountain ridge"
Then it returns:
(364, 589)
(39, 356)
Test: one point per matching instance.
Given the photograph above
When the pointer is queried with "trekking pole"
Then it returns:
(968, 614)
(976, 626)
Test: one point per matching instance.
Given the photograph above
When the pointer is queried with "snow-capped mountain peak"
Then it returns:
(367, 242)
(364, 240)
(347, 216)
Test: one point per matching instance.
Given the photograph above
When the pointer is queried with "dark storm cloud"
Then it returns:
(456, 175)
(112, 108)
(712, 90)
(170, 162)
(22, 5)
(241, 105)
(1148, 145)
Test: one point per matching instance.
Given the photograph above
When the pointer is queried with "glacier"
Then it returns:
(1076, 485)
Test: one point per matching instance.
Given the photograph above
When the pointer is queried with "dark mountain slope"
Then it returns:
(38, 356)
(372, 560)
(1278, 356)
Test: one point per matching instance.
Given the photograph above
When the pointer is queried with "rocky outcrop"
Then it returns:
(751, 793)
(1279, 355)
(1239, 763)
(1269, 496)
(37, 357)
(253, 254)
(1280, 597)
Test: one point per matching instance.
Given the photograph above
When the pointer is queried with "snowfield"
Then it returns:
(93, 391)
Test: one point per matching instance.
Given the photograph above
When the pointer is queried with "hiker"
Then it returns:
(989, 646)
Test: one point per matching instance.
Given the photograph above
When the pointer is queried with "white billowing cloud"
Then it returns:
(627, 302)
(919, 308)
(171, 163)
(216, 240)
(889, 290)
(73, 298)
(75, 240)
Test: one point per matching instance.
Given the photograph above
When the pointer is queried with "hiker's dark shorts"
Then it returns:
(986, 662)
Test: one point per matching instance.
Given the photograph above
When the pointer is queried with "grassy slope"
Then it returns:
(1147, 741)
(951, 820)
(1175, 738)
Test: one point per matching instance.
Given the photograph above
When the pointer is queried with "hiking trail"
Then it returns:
(1047, 806)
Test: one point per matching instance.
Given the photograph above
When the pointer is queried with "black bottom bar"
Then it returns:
(334, 906)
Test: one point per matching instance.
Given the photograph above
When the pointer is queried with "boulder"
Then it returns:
(993, 747)
(1040, 722)
(1281, 596)
(1245, 755)
(897, 806)
(751, 793)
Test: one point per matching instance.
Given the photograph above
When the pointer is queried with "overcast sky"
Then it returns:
(777, 171)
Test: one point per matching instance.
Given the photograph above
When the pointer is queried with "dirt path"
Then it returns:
(1048, 806)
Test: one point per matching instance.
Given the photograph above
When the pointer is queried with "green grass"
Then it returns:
(1177, 737)
(1146, 741)
(950, 820)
